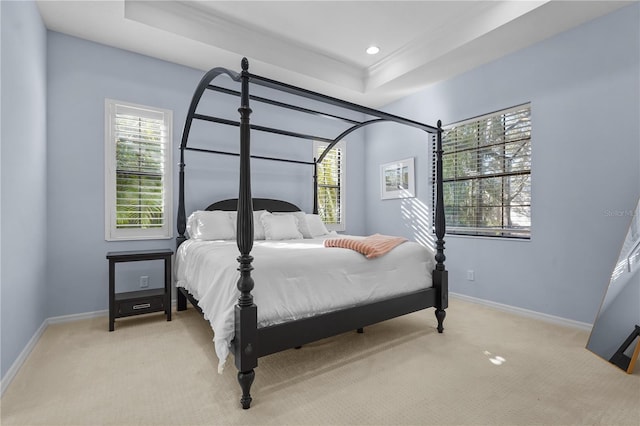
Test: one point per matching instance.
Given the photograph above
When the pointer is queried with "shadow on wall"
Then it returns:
(416, 217)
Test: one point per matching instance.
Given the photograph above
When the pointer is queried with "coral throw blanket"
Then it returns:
(374, 246)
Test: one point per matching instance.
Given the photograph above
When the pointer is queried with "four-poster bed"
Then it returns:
(249, 339)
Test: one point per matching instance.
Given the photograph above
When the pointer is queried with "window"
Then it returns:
(331, 185)
(138, 188)
(487, 174)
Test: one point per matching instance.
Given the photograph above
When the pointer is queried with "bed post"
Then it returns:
(440, 274)
(181, 303)
(315, 187)
(182, 217)
(246, 312)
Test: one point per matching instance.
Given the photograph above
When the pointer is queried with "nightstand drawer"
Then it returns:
(140, 306)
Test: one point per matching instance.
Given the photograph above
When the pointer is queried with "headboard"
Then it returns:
(258, 204)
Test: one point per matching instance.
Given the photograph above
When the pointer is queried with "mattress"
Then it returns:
(294, 279)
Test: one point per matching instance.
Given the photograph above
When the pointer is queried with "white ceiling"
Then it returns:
(320, 45)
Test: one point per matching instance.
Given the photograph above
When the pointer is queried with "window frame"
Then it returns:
(522, 233)
(342, 146)
(112, 232)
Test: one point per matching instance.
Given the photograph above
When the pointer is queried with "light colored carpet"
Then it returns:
(488, 368)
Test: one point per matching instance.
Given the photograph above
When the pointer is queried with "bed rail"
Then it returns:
(329, 100)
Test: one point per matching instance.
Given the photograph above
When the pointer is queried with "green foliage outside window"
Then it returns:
(329, 185)
(139, 174)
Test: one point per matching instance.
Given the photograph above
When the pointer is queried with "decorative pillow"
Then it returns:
(316, 226)
(211, 225)
(280, 227)
(258, 229)
(302, 222)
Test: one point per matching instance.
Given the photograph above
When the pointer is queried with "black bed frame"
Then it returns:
(251, 342)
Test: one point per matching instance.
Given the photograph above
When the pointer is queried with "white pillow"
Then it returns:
(316, 226)
(302, 222)
(211, 225)
(280, 227)
(258, 229)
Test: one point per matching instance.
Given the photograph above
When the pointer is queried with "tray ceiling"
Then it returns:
(320, 45)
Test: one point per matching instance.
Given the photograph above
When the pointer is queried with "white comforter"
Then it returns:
(294, 279)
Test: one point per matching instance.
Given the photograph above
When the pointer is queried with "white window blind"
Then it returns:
(138, 165)
(331, 182)
(487, 174)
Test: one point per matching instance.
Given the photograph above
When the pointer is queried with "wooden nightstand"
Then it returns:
(143, 301)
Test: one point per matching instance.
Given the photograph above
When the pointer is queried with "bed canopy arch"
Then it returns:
(251, 342)
(205, 85)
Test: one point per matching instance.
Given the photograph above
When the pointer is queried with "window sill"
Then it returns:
(138, 238)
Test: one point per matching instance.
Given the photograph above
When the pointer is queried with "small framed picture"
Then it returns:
(397, 179)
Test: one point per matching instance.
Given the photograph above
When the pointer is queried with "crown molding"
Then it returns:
(191, 21)
(479, 20)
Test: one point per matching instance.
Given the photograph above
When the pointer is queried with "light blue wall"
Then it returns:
(81, 74)
(23, 178)
(584, 87)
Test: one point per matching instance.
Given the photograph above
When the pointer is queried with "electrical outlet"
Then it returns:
(144, 281)
(471, 276)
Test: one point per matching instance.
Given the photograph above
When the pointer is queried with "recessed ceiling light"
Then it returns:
(372, 50)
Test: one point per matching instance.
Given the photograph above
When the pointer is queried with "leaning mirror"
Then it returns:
(616, 331)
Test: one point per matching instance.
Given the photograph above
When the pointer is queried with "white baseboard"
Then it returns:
(77, 317)
(15, 367)
(525, 312)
